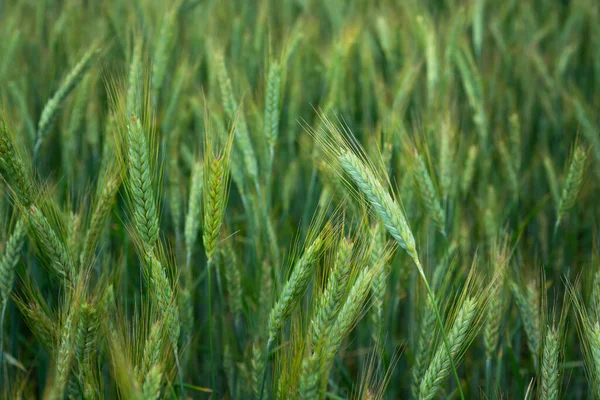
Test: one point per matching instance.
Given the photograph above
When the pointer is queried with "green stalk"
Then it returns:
(210, 333)
(441, 324)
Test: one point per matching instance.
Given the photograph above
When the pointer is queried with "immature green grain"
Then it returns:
(100, 216)
(10, 257)
(53, 105)
(572, 184)
(428, 193)
(50, 244)
(550, 382)
(330, 301)
(192, 219)
(13, 169)
(439, 369)
(140, 185)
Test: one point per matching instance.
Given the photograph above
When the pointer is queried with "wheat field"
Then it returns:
(281, 199)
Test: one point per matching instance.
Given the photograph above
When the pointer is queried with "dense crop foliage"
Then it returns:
(299, 199)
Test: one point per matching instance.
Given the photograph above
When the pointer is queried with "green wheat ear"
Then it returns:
(217, 161)
(13, 168)
(10, 258)
(572, 184)
(50, 111)
(439, 369)
(140, 185)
